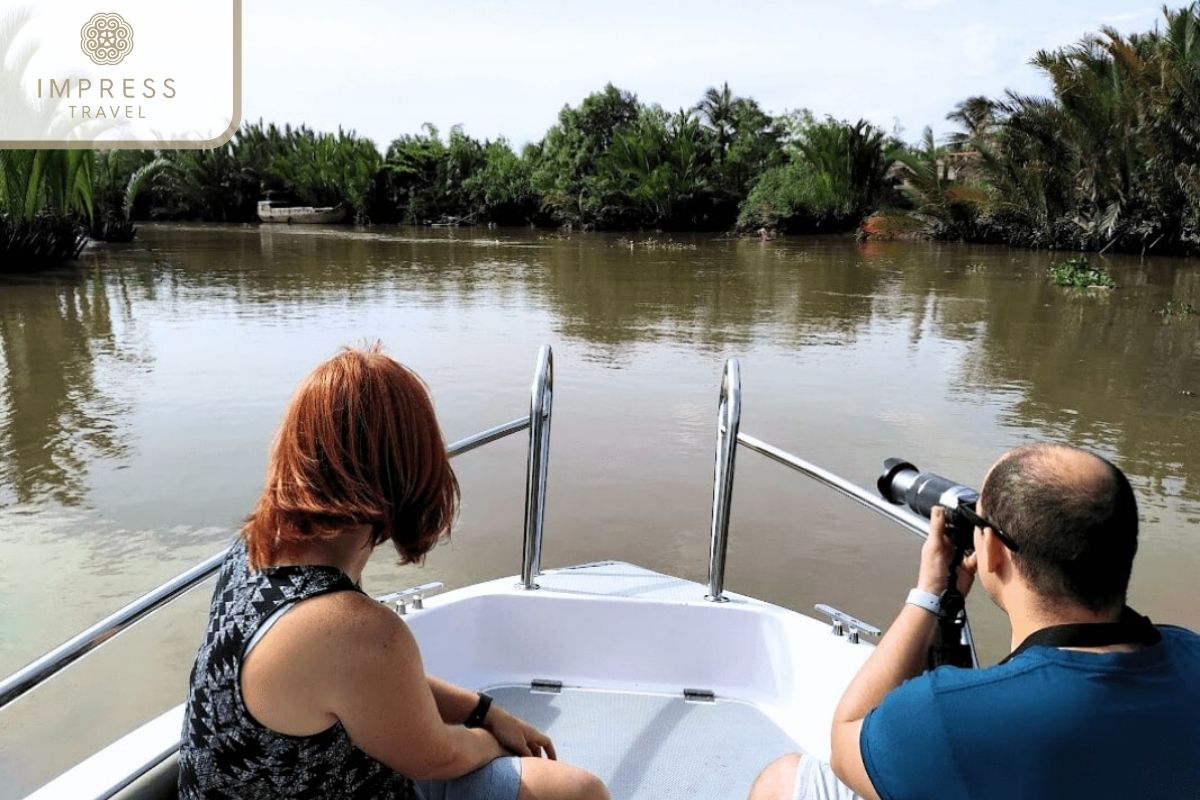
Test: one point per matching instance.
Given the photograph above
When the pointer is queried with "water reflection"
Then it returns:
(1097, 368)
(710, 294)
(1100, 369)
(63, 340)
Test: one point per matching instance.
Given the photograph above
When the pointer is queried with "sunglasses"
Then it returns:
(968, 512)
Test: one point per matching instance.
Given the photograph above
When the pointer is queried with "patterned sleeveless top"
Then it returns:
(225, 752)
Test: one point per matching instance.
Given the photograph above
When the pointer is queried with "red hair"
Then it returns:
(359, 445)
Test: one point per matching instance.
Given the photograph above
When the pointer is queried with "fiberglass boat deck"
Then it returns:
(662, 687)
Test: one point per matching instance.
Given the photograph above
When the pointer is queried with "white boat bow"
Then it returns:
(633, 674)
(661, 686)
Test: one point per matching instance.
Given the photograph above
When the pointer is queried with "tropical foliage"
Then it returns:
(119, 181)
(1110, 160)
(424, 180)
(224, 184)
(44, 197)
(835, 174)
(947, 203)
(658, 173)
(611, 162)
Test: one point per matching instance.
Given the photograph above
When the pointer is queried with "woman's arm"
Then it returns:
(365, 669)
(454, 703)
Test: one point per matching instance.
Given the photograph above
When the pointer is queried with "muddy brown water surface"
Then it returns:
(139, 393)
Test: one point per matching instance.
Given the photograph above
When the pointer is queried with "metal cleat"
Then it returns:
(845, 625)
(413, 597)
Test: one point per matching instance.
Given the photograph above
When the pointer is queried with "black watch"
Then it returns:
(479, 713)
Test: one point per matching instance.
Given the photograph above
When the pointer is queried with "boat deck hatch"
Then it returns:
(654, 746)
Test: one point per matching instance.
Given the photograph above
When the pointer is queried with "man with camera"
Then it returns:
(1094, 700)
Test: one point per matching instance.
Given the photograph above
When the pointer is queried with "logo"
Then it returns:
(72, 78)
(106, 39)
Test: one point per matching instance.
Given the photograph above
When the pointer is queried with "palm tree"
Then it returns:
(119, 179)
(977, 116)
(718, 108)
(855, 157)
(1110, 158)
(949, 206)
(42, 192)
(658, 165)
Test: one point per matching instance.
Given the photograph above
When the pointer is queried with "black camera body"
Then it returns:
(903, 484)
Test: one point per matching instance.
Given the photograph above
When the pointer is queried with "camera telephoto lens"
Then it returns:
(903, 484)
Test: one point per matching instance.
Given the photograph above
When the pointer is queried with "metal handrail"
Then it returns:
(901, 515)
(541, 401)
(729, 409)
(729, 417)
(43, 668)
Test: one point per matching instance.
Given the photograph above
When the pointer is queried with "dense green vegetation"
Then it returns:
(424, 180)
(1111, 160)
(224, 184)
(832, 176)
(119, 178)
(612, 162)
(43, 193)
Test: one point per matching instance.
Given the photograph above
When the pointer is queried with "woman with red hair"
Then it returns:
(305, 687)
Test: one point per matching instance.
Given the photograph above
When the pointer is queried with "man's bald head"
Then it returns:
(1075, 518)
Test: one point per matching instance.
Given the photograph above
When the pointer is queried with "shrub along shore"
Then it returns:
(1109, 161)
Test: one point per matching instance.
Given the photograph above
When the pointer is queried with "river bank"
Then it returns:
(1107, 163)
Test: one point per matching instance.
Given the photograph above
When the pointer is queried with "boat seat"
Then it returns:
(161, 782)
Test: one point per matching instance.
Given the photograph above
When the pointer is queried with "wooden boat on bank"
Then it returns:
(271, 210)
(640, 676)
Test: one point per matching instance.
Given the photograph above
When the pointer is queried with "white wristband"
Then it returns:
(922, 599)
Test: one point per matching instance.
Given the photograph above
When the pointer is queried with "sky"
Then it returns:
(385, 67)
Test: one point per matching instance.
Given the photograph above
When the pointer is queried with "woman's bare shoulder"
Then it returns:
(325, 639)
(338, 619)
(296, 679)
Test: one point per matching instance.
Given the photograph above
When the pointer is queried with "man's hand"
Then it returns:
(518, 736)
(936, 555)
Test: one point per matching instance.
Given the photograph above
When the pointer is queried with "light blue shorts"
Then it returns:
(815, 781)
(499, 779)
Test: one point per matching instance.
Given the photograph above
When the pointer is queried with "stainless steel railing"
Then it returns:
(729, 418)
(538, 424)
(541, 402)
(729, 436)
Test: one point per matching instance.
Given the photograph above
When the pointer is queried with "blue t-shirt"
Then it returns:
(1050, 723)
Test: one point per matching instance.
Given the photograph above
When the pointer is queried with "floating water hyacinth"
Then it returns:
(1079, 272)
(1178, 308)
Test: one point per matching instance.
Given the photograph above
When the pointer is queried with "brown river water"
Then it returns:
(138, 394)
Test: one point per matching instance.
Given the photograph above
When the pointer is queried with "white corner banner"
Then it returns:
(120, 73)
